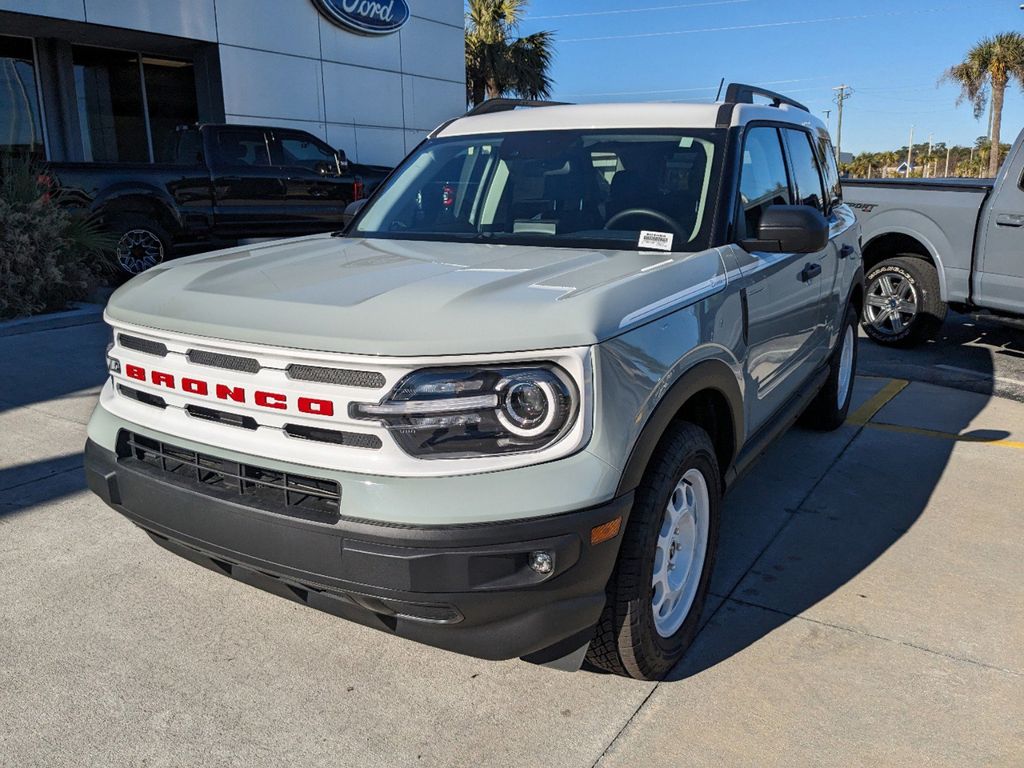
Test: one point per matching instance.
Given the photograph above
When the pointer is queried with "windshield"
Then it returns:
(584, 189)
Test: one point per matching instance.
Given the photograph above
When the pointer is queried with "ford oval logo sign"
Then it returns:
(368, 17)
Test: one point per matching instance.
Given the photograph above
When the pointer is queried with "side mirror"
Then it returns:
(342, 160)
(351, 211)
(790, 229)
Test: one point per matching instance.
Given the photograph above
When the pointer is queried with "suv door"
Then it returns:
(808, 184)
(1000, 279)
(785, 339)
(317, 192)
(249, 193)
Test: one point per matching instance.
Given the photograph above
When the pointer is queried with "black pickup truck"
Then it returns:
(227, 182)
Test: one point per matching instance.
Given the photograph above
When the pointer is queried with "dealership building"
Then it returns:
(111, 80)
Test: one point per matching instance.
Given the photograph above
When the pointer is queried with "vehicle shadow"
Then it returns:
(24, 486)
(61, 365)
(819, 509)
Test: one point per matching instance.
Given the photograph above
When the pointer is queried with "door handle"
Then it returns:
(847, 251)
(1010, 220)
(810, 272)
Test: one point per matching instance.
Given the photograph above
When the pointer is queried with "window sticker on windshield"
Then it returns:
(656, 241)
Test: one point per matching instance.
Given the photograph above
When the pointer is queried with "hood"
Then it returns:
(411, 298)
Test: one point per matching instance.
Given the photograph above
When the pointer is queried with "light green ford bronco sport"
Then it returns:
(499, 412)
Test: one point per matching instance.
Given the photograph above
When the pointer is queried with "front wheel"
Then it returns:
(903, 306)
(657, 591)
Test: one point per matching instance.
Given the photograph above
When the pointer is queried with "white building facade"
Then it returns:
(107, 80)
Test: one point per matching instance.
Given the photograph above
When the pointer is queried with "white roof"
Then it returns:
(613, 116)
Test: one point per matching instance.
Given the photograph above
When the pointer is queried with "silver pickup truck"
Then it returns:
(937, 243)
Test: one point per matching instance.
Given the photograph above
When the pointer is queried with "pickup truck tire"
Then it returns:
(829, 409)
(141, 243)
(903, 306)
(657, 589)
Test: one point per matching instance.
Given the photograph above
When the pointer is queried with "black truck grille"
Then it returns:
(340, 376)
(309, 498)
(142, 345)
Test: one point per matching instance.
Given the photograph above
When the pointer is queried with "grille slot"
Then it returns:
(228, 362)
(142, 397)
(222, 417)
(142, 345)
(340, 376)
(283, 493)
(333, 436)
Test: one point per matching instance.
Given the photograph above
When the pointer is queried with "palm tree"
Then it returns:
(497, 62)
(990, 66)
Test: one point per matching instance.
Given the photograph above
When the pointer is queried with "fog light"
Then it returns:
(542, 562)
(113, 365)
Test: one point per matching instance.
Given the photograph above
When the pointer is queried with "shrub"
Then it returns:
(47, 256)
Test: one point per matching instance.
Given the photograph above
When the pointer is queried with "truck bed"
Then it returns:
(942, 185)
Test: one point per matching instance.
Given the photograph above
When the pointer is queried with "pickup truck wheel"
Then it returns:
(903, 306)
(658, 587)
(141, 244)
(829, 409)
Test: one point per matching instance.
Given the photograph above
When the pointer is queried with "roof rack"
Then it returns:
(738, 93)
(507, 105)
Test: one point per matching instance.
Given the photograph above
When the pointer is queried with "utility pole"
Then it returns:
(910, 153)
(843, 92)
(828, 119)
(948, 151)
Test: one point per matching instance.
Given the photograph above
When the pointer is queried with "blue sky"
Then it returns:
(891, 52)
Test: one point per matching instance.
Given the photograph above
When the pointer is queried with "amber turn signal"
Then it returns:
(605, 531)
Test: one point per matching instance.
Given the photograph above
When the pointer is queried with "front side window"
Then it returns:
(241, 148)
(303, 151)
(806, 172)
(21, 130)
(763, 179)
(567, 188)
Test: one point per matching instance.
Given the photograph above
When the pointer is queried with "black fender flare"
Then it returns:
(152, 197)
(713, 375)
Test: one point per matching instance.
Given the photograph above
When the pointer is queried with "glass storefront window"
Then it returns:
(21, 129)
(171, 99)
(110, 105)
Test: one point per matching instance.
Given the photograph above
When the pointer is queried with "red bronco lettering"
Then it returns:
(260, 398)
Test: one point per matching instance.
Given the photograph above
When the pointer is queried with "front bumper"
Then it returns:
(465, 588)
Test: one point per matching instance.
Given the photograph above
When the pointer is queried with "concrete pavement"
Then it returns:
(868, 609)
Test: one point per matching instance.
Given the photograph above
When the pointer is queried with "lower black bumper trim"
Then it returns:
(468, 589)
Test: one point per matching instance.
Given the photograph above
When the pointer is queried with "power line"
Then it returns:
(691, 89)
(678, 6)
(843, 92)
(765, 25)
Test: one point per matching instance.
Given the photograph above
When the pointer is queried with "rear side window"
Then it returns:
(806, 172)
(763, 180)
(827, 155)
(242, 147)
(189, 148)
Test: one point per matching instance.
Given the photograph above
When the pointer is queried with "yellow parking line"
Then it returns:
(946, 435)
(866, 412)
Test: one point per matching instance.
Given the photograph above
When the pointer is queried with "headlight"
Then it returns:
(444, 413)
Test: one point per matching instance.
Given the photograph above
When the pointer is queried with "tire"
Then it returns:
(141, 243)
(829, 409)
(903, 305)
(629, 640)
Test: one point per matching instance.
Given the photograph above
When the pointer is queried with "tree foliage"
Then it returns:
(987, 69)
(498, 62)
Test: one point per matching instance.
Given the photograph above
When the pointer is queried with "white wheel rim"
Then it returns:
(846, 366)
(679, 556)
